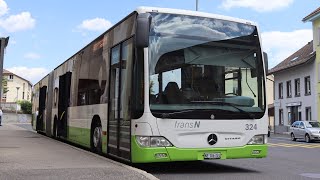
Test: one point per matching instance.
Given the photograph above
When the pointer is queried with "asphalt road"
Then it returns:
(286, 160)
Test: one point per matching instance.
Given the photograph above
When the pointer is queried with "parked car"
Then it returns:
(307, 130)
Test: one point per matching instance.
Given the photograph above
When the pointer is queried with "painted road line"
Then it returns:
(294, 145)
(302, 145)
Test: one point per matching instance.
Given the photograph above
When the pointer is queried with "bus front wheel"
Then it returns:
(96, 138)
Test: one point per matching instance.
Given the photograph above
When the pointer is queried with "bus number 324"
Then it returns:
(249, 127)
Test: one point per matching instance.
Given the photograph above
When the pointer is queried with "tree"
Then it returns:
(4, 85)
(26, 106)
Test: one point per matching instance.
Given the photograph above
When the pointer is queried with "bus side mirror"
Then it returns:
(143, 30)
(265, 57)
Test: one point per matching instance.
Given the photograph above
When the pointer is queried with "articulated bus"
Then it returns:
(161, 85)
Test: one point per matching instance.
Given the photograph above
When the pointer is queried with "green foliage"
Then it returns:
(4, 85)
(26, 106)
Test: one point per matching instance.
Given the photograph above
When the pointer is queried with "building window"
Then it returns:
(297, 87)
(22, 95)
(307, 85)
(10, 77)
(280, 90)
(308, 113)
(281, 117)
(289, 89)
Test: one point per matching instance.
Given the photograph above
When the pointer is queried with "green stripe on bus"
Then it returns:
(104, 143)
(79, 135)
(82, 136)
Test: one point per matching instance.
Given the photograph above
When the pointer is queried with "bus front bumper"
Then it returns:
(168, 154)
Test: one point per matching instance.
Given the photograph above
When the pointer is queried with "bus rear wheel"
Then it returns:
(55, 127)
(96, 139)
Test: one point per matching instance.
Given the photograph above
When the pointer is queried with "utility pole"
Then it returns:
(197, 1)
(17, 99)
(3, 44)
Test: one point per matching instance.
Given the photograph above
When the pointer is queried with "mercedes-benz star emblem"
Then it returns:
(212, 139)
(212, 116)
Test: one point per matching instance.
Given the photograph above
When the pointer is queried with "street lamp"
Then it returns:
(17, 99)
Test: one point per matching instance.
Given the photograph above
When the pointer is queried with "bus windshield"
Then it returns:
(204, 68)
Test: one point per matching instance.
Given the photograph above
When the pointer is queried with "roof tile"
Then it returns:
(301, 56)
(315, 12)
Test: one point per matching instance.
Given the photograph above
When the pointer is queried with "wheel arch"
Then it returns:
(96, 120)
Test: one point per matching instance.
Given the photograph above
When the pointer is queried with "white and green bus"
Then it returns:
(162, 85)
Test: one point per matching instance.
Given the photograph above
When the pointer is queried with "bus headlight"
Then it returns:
(143, 141)
(159, 142)
(258, 139)
(153, 141)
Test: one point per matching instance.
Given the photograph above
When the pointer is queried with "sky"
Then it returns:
(43, 34)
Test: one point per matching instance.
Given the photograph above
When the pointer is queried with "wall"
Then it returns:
(16, 118)
(12, 93)
(270, 89)
(270, 97)
(316, 47)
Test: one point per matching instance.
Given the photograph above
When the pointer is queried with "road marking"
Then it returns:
(294, 145)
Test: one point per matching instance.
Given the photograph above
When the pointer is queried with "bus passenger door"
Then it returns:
(63, 104)
(119, 121)
(42, 106)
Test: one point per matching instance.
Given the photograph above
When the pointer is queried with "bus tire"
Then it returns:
(96, 136)
(55, 127)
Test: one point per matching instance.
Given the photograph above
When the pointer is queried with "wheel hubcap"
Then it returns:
(96, 136)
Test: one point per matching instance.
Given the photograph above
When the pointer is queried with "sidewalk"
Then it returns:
(284, 135)
(16, 118)
(27, 155)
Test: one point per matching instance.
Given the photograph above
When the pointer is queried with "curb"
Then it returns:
(143, 173)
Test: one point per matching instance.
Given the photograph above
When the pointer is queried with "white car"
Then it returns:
(307, 130)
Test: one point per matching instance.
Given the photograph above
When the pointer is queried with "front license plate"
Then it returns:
(212, 155)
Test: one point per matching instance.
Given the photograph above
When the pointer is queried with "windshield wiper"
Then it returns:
(168, 115)
(222, 103)
(252, 116)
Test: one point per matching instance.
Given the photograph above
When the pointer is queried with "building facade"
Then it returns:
(297, 82)
(270, 99)
(314, 18)
(295, 89)
(18, 88)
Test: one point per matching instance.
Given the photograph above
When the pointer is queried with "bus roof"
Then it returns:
(143, 9)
